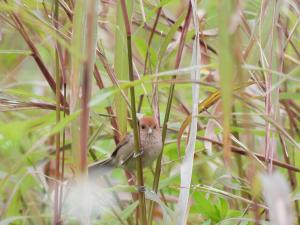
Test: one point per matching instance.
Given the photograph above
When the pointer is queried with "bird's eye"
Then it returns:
(143, 127)
(154, 127)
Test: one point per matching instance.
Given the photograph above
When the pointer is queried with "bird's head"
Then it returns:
(148, 126)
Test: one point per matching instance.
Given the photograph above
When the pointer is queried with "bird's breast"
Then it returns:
(151, 152)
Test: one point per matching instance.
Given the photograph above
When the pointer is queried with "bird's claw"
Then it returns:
(140, 153)
(141, 189)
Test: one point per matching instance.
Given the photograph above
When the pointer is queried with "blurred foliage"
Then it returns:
(223, 190)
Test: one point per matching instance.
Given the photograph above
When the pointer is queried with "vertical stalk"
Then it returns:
(121, 68)
(76, 76)
(140, 179)
(86, 82)
(57, 135)
(84, 41)
(227, 72)
(89, 46)
(62, 159)
(168, 108)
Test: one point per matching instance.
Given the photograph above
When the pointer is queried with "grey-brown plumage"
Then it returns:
(124, 154)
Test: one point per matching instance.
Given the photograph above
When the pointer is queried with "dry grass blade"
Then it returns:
(186, 169)
(203, 106)
(146, 58)
(277, 196)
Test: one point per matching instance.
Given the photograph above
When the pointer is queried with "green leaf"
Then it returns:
(165, 2)
(126, 213)
(121, 64)
(207, 222)
(142, 46)
(289, 95)
(167, 181)
(13, 219)
(169, 37)
(223, 207)
(12, 133)
(103, 97)
(205, 207)
(63, 123)
(167, 212)
(29, 95)
(16, 52)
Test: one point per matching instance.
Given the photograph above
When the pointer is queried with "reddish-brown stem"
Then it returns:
(36, 55)
(86, 89)
(56, 220)
(150, 39)
(111, 74)
(109, 109)
(259, 156)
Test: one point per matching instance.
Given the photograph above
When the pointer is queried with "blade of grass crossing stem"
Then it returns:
(226, 70)
(139, 168)
(186, 169)
(121, 65)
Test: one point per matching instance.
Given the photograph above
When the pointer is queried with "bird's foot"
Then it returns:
(141, 189)
(140, 153)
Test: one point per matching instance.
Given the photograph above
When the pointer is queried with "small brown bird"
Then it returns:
(124, 154)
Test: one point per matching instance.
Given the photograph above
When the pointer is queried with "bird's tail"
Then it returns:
(101, 168)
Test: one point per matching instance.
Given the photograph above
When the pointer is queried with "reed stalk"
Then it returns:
(168, 108)
(139, 168)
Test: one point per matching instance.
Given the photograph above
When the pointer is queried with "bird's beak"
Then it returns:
(150, 131)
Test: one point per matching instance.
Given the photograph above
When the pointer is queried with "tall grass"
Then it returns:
(222, 77)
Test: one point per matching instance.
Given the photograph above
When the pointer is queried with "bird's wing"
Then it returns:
(127, 158)
(122, 143)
